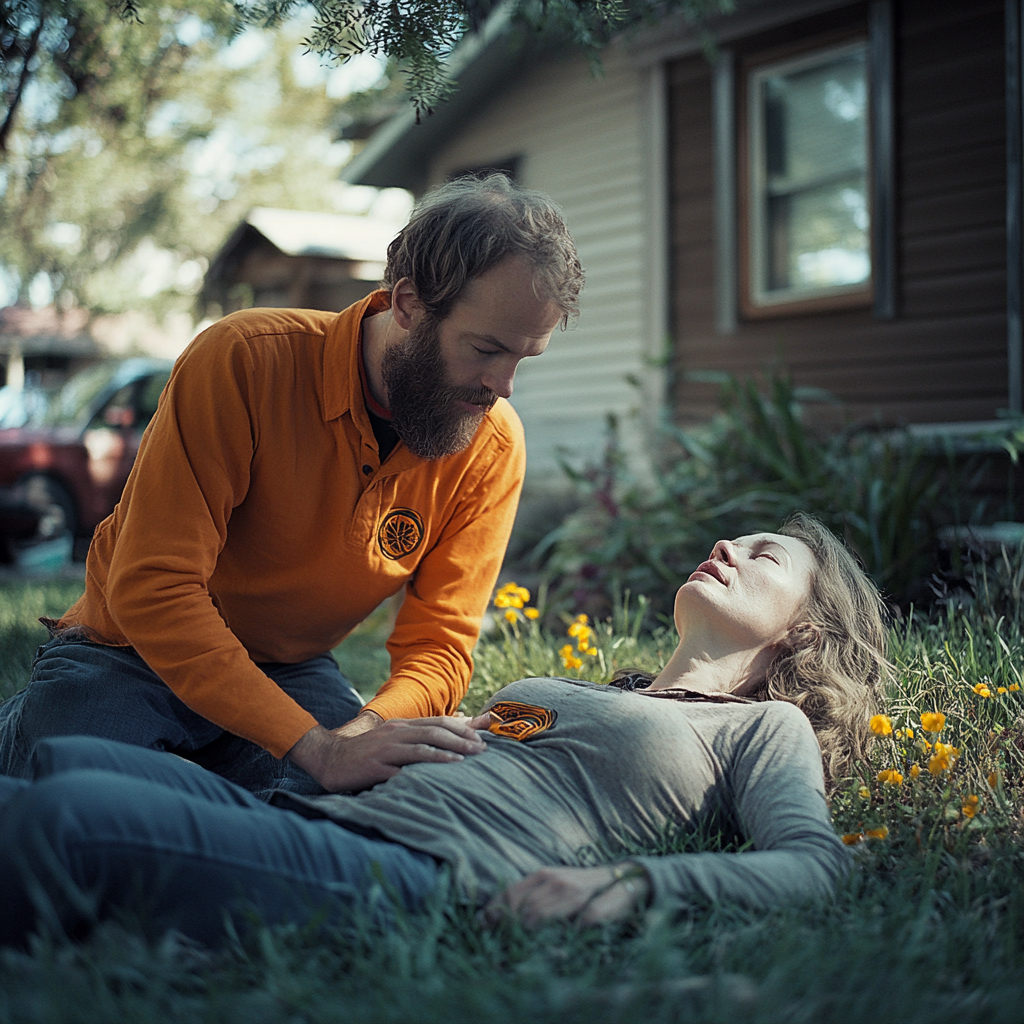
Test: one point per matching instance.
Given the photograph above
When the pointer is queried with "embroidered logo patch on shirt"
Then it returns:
(520, 721)
(400, 533)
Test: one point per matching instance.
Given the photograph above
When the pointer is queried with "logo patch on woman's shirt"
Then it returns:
(520, 721)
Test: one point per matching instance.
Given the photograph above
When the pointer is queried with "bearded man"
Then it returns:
(301, 468)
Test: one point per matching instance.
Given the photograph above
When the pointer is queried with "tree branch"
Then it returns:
(23, 78)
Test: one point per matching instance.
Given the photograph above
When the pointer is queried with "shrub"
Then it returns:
(745, 471)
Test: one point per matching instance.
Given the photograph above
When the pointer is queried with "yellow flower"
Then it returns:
(891, 777)
(511, 596)
(877, 833)
(933, 721)
(511, 616)
(970, 807)
(569, 660)
(1013, 687)
(981, 690)
(943, 758)
(1000, 689)
(880, 725)
(853, 838)
(993, 780)
(864, 793)
(904, 734)
(532, 613)
(915, 770)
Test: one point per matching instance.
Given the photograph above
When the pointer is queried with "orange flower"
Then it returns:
(877, 833)
(970, 807)
(853, 838)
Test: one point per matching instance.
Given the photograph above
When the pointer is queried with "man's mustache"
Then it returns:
(484, 397)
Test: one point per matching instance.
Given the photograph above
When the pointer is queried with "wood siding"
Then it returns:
(944, 356)
(580, 139)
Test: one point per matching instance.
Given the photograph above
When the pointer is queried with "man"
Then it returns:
(301, 468)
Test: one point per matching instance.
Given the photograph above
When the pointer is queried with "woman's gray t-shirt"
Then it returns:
(613, 772)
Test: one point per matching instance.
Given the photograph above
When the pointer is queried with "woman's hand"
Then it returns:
(585, 895)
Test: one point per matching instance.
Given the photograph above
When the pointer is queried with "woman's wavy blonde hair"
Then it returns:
(833, 665)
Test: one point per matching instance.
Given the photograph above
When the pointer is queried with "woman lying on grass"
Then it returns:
(779, 633)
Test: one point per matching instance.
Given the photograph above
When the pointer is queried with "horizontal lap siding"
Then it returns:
(944, 356)
(579, 139)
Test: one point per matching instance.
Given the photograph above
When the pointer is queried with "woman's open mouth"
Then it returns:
(711, 568)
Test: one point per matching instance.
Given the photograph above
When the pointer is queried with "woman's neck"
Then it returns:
(707, 665)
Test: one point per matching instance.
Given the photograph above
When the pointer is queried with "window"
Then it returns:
(805, 216)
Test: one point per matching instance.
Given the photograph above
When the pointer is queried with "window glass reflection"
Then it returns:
(809, 175)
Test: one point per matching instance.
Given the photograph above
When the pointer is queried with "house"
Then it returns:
(299, 258)
(47, 344)
(43, 347)
(836, 190)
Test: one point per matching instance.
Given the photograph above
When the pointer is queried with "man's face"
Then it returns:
(445, 375)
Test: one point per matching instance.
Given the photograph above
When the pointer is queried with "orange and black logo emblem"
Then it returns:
(400, 533)
(520, 721)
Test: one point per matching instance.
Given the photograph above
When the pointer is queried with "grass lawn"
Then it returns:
(930, 928)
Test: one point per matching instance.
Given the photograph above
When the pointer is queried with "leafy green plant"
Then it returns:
(750, 467)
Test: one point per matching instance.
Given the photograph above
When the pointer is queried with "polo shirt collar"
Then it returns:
(343, 391)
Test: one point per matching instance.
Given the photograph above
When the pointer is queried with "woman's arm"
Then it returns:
(774, 774)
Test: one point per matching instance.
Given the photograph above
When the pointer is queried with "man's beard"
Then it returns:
(422, 400)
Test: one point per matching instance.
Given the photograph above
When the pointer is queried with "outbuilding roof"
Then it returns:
(337, 235)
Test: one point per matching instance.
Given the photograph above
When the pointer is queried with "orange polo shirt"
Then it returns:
(259, 525)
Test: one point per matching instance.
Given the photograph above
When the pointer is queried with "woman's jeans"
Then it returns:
(83, 688)
(108, 831)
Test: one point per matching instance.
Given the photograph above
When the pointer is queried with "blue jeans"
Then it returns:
(109, 831)
(82, 688)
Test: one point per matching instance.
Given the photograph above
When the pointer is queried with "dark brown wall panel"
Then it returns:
(944, 356)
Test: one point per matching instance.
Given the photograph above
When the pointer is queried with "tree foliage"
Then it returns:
(107, 104)
(139, 145)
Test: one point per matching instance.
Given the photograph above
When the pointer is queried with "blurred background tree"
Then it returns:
(135, 134)
(131, 148)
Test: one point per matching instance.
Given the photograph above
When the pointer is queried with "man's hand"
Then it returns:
(584, 895)
(359, 754)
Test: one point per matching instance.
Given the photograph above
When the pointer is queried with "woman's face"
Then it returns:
(751, 590)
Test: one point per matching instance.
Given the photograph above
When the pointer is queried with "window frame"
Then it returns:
(841, 297)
